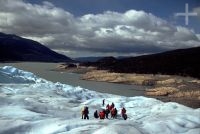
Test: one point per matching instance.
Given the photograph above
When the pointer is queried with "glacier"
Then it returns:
(33, 105)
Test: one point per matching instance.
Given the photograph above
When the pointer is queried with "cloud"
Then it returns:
(197, 10)
(198, 35)
(25, 18)
(131, 32)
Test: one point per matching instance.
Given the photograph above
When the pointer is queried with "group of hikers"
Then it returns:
(110, 109)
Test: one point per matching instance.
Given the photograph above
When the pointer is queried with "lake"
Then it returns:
(44, 70)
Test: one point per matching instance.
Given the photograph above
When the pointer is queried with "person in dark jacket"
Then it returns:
(96, 114)
(107, 111)
(86, 112)
(112, 105)
(115, 113)
(123, 113)
(107, 106)
(103, 102)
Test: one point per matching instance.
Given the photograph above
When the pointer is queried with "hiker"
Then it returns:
(102, 115)
(82, 112)
(113, 113)
(103, 103)
(107, 111)
(113, 105)
(123, 113)
(86, 112)
(96, 114)
(107, 106)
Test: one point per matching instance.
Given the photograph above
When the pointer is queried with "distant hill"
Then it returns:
(95, 59)
(15, 48)
(184, 62)
(87, 59)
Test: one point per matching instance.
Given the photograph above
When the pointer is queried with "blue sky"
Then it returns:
(81, 28)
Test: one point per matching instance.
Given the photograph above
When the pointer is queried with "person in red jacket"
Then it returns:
(110, 107)
(113, 113)
(102, 115)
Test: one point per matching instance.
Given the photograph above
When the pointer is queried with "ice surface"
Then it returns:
(9, 74)
(29, 104)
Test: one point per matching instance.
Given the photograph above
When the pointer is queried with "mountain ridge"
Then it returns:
(15, 48)
(184, 62)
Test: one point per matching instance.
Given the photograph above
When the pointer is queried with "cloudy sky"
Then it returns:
(79, 28)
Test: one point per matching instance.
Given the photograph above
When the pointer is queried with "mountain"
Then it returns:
(15, 48)
(184, 62)
(87, 59)
(95, 59)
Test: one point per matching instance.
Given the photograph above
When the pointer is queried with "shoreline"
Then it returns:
(46, 71)
(167, 88)
(72, 76)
